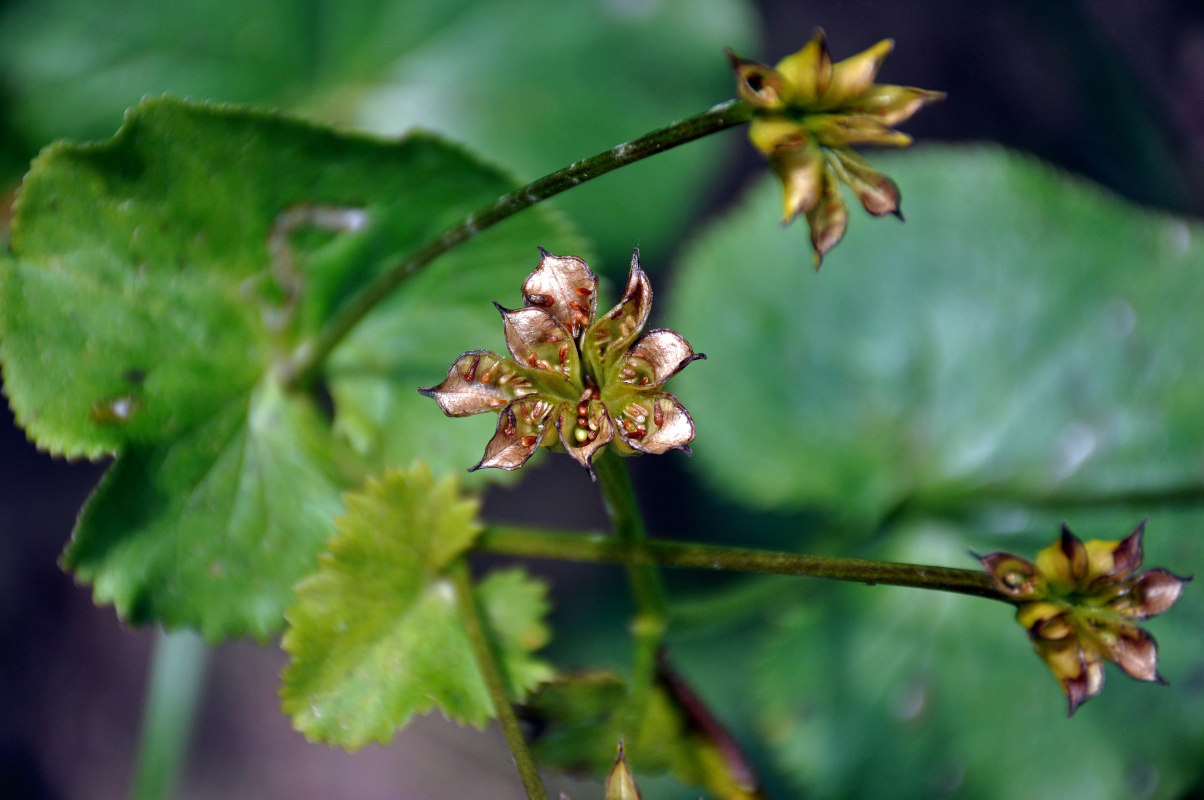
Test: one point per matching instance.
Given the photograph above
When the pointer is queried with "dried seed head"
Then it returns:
(1079, 603)
(809, 112)
(602, 367)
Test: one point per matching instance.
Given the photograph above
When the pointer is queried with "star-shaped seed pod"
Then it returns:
(574, 381)
(1079, 602)
(808, 115)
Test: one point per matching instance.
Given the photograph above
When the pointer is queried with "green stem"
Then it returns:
(309, 357)
(624, 511)
(177, 672)
(495, 682)
(605, 549)
(651, 616)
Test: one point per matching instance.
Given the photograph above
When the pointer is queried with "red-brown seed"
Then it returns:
(528, 441)
(593, 434)
(509, 425)
(658, 414)
(532, 359)
(564, 352)
(541, 300)
(583, 291)
(472, 369)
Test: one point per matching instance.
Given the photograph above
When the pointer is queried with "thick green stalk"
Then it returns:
(606, 549)
(495, 682)
(177, 672)
(308, 358)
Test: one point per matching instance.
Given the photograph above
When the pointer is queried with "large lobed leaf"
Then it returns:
(1023, 332)
(376, 635)
(141, 318)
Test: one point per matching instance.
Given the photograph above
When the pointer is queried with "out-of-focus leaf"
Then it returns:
(535, 84)
(515, 607)
(577, 717)
(1022, 333)
(142, 318)
(885, 692)
(539, 85)
(74, 67)
(376, 635)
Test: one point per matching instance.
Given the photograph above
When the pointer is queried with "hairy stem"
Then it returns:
(605, 549)
(495, 682)
(308, 358)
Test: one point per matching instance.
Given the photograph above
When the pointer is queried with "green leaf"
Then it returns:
(74, 67)
(601, 74)
(142, 317)
(890, 692)
(580, 716)
(515, 606)
(1022, 333)
(376, 637)
(575, 716)
(212, 528)
(534, 84)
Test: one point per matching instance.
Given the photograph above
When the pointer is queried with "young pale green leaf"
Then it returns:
(376, 637)
(142, 316)
(515, 606)
(1023, 330)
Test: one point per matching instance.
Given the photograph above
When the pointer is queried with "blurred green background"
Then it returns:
(1027, 335)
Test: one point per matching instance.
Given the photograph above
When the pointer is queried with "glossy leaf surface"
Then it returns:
(144, 317)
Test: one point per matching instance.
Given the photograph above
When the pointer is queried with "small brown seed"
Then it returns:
(472, 369)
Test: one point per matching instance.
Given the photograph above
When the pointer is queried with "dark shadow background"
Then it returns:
(1111, 89)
